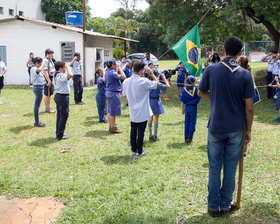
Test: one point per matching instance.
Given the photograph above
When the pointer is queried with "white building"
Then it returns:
(22, 35)
(29, 8)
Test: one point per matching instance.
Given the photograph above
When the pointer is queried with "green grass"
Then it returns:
(101, 183)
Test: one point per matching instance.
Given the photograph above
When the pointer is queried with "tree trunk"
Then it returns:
(268, 25)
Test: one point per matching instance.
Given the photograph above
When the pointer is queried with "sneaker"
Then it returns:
(277, 120)
(157, 138)
(80, 103)
(65, 136)
(166, 98)
(40, 125)
(142, 154)
(105, 121)
(213, 213)
(51, 111)
(152, 138)
(228, 211)
(115, 130)
(134, 154)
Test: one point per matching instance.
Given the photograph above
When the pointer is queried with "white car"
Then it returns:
(139, 56)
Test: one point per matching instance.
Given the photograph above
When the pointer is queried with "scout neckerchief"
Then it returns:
(231, 64)
(55, 76)
(191, 93)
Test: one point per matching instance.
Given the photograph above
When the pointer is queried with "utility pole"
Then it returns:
(84, 41)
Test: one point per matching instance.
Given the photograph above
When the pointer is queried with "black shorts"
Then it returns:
(1, 82)
(51, 88)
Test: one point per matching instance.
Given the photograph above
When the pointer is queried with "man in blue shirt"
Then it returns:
(77, 78)
(231, 92)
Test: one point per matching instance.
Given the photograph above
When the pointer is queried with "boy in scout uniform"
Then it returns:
(3, 70)
(61, 98)
(48, 73)
(77, 78)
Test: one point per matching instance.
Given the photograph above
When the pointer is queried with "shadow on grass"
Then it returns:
(203, 148)
(32, 114)
(110, 160)
(19, 129)
(179, 145)
(92, 118)
(90, 123)
(174, 124)
(43, 142)
(252, 213)
(102, 134)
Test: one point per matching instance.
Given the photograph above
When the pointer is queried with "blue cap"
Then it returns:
(110, 63)
(190, 79)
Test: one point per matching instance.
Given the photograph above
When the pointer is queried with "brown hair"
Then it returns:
(243, 62)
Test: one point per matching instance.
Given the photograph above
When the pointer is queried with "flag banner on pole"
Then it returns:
(189, 52)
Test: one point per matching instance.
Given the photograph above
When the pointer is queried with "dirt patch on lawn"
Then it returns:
(29, 211)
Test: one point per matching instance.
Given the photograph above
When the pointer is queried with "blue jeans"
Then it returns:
(38, 91)
(224, 150)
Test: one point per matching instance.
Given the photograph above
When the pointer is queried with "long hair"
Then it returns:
(243, 61)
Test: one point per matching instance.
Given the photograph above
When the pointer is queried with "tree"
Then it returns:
(55, 9)
(226, 18)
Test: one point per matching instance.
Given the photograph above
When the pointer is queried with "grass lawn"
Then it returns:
(101, 183)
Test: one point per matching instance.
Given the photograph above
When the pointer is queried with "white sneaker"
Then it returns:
(134, 154)
(142, 154)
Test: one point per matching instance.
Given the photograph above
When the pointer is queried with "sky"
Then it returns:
(103, 8)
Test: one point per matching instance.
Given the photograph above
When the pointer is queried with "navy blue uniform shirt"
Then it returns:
(189, 96)
(229, 85)
(101, 87)
(113, 80)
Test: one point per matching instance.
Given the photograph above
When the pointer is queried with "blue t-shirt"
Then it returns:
(101, 88)
(112, 80)
(166, 73)
(155, 93)
(127, 72)
(182, 73)
(229, 85)
(189, 96)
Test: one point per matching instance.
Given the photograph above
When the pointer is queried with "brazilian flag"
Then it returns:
(189, 51)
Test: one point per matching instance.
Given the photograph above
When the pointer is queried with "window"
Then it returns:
(20, 13)
(11, 12)
(106, 53)
(1, 11)
(67, 51)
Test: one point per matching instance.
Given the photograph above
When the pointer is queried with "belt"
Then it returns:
(60, 94)
(113, 91)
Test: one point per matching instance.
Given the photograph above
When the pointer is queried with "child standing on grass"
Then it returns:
(38, 81)
(277, 85)
(3, 70)
(181, 77)
(136, 89)
(168, 74)
(156, 107)
(189, 100)
(61, 98)
(100, 96)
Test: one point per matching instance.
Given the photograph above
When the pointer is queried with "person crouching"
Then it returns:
(61, 98)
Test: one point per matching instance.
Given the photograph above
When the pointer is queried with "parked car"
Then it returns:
(141, 55)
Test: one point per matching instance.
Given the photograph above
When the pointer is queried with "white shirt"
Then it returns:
(76, 68)
(37, 78)
(49, 66)
(136, 89)
(2, 66)
(270, 65)
(147, 62)
(276, 67)
(61, 83)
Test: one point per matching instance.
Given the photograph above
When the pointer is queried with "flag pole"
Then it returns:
(191, 29)
(84, 42)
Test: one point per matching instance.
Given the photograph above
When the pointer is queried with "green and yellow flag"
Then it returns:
(189, 52)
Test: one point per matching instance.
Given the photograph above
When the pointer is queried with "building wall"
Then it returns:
(30, 8)
(100, 42)
(23, 37)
